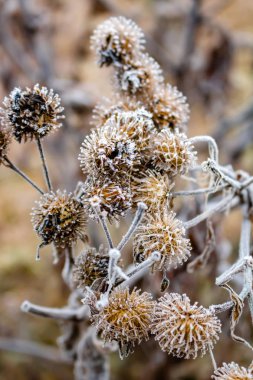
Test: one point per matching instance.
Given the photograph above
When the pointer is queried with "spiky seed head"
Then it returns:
(60, 218)
(172, 153)
(141, 78)
(91, 268)
(151, 188)
(170, 109)
(182, 329)
(117, 41)
(5, 140)
(108, 198)
(135, 125)
(126, 319)
(164, 233)
(31, 113)
(232, 371)
(107, 107)
(106, 151)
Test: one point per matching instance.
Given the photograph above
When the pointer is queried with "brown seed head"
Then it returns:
(106, 151)
(151, 188)
(117, 41)
(170, 109)
(59, 217)
(91, 268)
(164, 233)
(232, 371)
(108, 198)
(182, 329)
(31, 113)
(172, 153)
(126, 319)
(141, 78)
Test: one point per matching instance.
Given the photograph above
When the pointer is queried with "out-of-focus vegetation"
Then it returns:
(206, 49)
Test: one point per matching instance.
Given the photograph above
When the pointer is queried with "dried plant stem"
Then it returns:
(213, 148)
(66, 314)
(137, 273)
(44, 165)
(68, 265)
(136, 221)
(212, 358)
(208, 190)
(102, 220)
(91, 363)
(13, 167)
(40, 351)
(208, 213)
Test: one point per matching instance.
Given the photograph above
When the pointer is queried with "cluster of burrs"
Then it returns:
(131, 161)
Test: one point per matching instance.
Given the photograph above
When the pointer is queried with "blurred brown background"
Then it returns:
(206, 49)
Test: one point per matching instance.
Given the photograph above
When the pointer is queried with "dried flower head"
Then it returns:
(232, 371)
(182, 329)
(117, 41)
(107, 107)
(172, 152)
(126, 319)
(59, 217)
(136, 126)
(91, 268)
(164, 233)
(109, 198)
(5, 140)
(170, 109)
(107, 151)
(141, 78)
(151, 188)
(31, 113)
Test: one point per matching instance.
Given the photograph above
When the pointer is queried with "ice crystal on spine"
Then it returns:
(117, 41)
(170, 109)
(126, 319)
(232, 371)
(172, 152)
(108, 198)
(91, 268)
(182, 329)
(59, 217)
(164, 233)
(31, 113)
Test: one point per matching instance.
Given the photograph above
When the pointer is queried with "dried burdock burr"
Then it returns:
(59, 218)
(182, 329)
(107, 107)
(91, 268)
(232, 371)
(126, 318)
(172, 153)
(31, 113)
(142, 78)
(117, 41)
(162, 232)
(151, 188)
(170, 109)
(107, 152)
(110, 199)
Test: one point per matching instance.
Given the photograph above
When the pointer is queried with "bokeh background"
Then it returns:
(203, 47)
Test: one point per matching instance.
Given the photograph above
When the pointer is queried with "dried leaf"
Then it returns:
(236, 314)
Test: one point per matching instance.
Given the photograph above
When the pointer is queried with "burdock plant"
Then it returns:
(133, 160)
